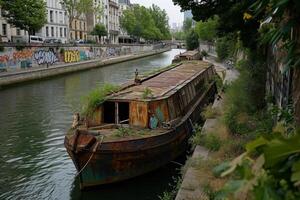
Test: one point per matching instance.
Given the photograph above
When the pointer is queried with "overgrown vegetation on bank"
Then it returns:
(264, 162)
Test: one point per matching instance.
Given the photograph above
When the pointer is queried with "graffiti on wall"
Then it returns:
(12, 58)
(45, 57)
(34, 56)
(71, 56)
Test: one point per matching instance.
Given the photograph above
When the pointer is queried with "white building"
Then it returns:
(113, 21)
(57, 22)
(99, 16)
(9, 33)
(123, 36)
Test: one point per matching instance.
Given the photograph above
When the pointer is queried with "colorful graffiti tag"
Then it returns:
(45, 57)
(71, 56)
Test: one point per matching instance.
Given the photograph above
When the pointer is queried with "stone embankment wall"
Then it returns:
(17, 56)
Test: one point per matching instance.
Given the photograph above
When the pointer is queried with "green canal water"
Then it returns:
(33, 120)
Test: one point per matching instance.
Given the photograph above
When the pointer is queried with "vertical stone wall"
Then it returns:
(14, 57)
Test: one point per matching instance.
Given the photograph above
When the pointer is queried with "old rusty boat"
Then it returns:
(188, 55)
(132, 133)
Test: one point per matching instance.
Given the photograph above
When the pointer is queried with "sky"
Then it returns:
(175, 16)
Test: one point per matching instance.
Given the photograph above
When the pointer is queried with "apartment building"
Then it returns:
(113, 21)
(9, 33)
(99, 16)
(57, 22)
(78, 29)
(123, 35)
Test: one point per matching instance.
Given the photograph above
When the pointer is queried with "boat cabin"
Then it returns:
(159, 100)
(188, 55)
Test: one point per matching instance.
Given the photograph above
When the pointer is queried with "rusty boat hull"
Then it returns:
(166, 119)
(118, 161)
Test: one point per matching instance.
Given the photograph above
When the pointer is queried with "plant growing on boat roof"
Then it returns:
(96, 97)
(147, 93)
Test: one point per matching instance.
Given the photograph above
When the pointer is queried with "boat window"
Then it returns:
(123, 112)
(109, 112)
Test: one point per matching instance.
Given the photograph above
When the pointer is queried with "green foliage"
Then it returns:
(1, 48)
(187, 25)
(99, 30)
(209, 140)
(29, 15)
(79, 7)
(148, 23)
(96, 97)
(123, 131)
(207, 30)
(209, 112)
(147, 93)
(20, 47)
(245, 97)
(192, 40)
(161, 21)
(178, 35)
(204, 53)
(171, 194)
(226, 47)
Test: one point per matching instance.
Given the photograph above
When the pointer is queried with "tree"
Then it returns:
(148, 23)
(161, 21)
(192, 40)
(75, 8)
(207, 30)
(231, 14)
(187, 25)
(178, 35)
(100, 31)
(29, 15)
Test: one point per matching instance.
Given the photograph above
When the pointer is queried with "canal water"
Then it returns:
(33, 120)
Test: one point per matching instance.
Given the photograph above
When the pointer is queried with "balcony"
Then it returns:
(113, 4)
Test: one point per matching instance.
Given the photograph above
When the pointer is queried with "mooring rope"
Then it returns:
(93, 152)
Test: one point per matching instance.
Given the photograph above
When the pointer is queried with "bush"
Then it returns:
(1, 48)
(192, 40)
(96, 97)
(209, 140)
(225, 47)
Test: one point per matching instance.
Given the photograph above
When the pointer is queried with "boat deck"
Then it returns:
(164, 84)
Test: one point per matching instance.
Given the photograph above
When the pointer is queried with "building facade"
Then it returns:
(9, 33)
(113, 21)
(99, 16)
(57, 22)
(123, 35)
(78, 29)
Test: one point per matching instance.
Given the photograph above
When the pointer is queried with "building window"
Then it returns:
(80, 27)
(56, 32)
(60, 32)
(47, 31)
(51, 15)
(52, 31)
(65, 32)
(84, 26)
(4, 29)
(18, 31)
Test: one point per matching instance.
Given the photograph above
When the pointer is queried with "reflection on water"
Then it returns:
(34, 118)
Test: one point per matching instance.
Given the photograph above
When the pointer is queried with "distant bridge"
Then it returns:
(176, 43)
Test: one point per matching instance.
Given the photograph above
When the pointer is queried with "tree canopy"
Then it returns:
(207, 30)
(187, 24)
(75, 8)
(231, 17)
(99, 30)
(192, 40)
(147, 23)
(29, 15)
